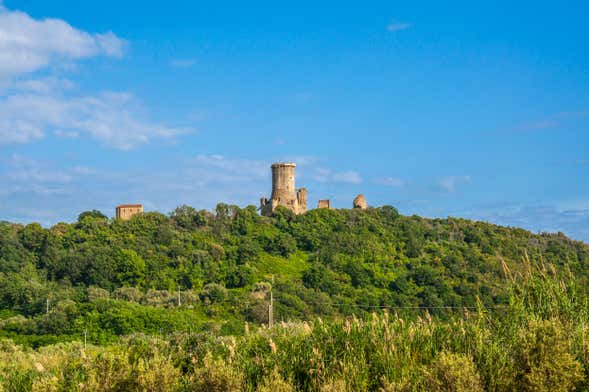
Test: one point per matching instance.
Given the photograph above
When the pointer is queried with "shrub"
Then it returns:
(452, 372)
(156, 374)
(96, 293)
(159, 298)
(213, 292)
(543, 358)
(274, 382)
(214, 375)
(129, 294)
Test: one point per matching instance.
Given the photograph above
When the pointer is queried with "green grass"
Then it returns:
(290, 268)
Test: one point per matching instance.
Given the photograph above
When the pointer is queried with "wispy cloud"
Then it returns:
(182, 63)
(226, 169)
(301, 160)
(113, 118)
(398, 26)
(22, 174)
(32, 107)
(554, 121)
(349, 177)
(450, 183)
(389, 181)
(323, 175)
(544, 124)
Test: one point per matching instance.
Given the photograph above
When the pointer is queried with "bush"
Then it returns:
(213, 292)
(452, 373)
(97, 293)
(274, 382)
(132, 294)
(214, 375)
(543, 358)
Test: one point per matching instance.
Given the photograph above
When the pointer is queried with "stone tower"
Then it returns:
(284, 192)
(360, 202)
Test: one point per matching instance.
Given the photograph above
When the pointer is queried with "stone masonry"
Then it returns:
(126, 211)
(360, 202)
(324, 204)
(284, 192)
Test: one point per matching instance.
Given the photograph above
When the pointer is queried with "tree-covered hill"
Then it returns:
(197, 270)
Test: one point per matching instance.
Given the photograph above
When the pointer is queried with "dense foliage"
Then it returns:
(196, 270)
(538, 342)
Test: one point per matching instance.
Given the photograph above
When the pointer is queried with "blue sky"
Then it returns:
(438, 108)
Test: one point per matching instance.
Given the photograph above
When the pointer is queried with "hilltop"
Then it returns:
(212, 271)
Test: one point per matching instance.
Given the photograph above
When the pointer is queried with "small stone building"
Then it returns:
(324, 204)
(126, 211)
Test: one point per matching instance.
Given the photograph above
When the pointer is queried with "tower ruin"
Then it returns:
(284, 192)
(360, 202)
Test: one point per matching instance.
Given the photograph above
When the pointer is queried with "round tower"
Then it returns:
(360, 202)
(283, 182)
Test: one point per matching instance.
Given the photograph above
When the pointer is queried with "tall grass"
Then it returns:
(539, 342)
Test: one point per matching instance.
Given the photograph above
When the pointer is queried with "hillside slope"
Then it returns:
(197, 270)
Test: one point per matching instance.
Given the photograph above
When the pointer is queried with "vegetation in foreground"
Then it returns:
(539, 342)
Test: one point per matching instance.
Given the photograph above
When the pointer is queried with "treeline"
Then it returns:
(197, 271)
(539, 342)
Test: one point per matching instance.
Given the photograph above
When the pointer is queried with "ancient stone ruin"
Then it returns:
(360, 202)
(283, 191)
(324, 204)
(126, 211)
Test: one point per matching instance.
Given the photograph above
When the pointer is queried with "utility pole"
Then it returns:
(179, 300)
(271, 306)
(47, 306)
(270, 311)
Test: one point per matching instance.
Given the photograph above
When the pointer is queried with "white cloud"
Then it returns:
(66, 134)
(450, 183)
(349, 177)
(398, 26)
(27, 44)
(42, 85)
(32, 107)
(115, 119)
(389, 181)
(323, 175)
(230, 168)
(27, 170)
(24, 175)
(182, 63)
